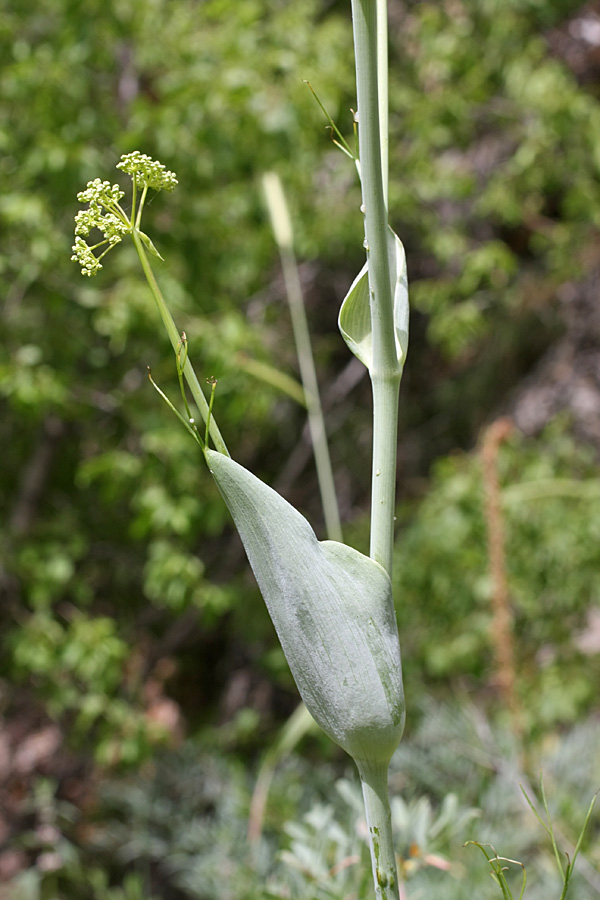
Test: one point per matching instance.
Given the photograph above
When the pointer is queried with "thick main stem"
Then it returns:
(371, 79)
(175, 338)
(373, 778)
(383, 480)
(382, 90)
(370, 46)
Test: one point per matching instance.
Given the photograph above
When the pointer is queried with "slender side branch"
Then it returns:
(175, 338)
(284, 237)
(316, 422)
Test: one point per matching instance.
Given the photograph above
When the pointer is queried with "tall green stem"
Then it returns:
(370, 46)
(370, 30)
(382, 89)
(383, 480)
(175, 338)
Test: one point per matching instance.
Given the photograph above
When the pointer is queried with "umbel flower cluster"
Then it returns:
(106, 213)
(147, 172)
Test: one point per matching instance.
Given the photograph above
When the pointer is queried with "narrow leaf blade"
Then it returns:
(150, 246)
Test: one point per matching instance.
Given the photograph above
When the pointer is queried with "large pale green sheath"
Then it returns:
(332, 609)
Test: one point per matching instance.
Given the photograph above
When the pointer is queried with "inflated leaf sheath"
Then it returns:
(355, 313)
(332, 610)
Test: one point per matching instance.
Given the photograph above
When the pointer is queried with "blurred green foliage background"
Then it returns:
(137, 658)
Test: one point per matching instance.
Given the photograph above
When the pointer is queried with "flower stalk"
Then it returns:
(105, 214)
(175, 338)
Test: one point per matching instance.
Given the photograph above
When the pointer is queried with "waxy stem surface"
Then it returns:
(373, 776)
(370, 44)
(371, 79)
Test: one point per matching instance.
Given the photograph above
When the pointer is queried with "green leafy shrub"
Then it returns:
(180, 822)
(97, 80)
(550, 491)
